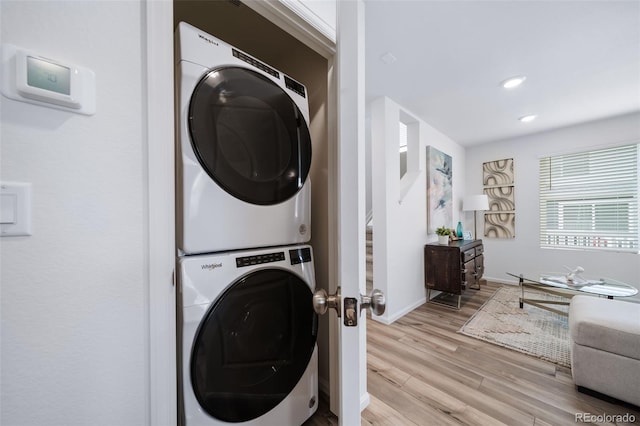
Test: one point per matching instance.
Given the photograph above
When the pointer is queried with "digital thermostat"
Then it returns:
(30, 77)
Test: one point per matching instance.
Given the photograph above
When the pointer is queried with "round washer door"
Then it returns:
(253, 345)
(249, 135)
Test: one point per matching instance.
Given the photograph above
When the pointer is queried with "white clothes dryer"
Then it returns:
(247, 331)
(243, 149)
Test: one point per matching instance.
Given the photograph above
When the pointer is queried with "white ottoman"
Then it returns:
(605, 346)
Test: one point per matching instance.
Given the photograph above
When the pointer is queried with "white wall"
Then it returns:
(75, 294)
(523, 253)
(400, 222)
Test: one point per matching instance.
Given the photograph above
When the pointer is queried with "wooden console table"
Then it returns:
(454, 267)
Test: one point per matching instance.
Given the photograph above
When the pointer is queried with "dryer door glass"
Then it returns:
(253, 345)
(249, 135)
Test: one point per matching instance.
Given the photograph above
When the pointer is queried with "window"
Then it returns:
(589, 200)
(409, 152)
(403, 149)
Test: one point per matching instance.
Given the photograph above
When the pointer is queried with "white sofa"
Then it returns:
(605, 346)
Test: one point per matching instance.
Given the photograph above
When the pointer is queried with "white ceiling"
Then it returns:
(581, 59)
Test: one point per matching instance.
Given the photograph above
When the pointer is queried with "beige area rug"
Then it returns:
(530, 330)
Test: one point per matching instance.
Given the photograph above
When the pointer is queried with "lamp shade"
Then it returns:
(475, 202)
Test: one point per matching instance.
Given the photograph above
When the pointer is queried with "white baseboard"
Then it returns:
(365, 399)
(396, 315)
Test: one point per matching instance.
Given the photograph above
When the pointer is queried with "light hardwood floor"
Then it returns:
(422, 372)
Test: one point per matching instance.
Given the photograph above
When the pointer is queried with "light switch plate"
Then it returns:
(8, 208)
(16, 209)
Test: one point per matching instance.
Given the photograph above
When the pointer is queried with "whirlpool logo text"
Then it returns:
(212, 266)
(207, 39)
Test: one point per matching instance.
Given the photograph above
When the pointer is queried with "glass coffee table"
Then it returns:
(557, 284)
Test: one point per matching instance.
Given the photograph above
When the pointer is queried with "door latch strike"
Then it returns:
(350, 311)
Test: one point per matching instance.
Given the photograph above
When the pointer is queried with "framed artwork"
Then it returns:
(498, 173)
(499, 225)
(498, 185)
(439, 189)
(501, 198)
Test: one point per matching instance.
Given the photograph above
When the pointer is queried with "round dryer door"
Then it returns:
(249, 135)
(253, 345)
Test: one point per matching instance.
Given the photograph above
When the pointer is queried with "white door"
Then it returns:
(351, 204)
(350, 272)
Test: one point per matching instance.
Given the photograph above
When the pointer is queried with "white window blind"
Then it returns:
(589, 200)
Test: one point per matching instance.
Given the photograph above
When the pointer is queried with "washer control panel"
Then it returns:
(297, 256)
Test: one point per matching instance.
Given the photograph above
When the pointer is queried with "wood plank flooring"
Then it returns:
(422, 372)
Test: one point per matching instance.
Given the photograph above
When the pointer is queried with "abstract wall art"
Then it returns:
(499, 186)
(439, 190)
(498, 173)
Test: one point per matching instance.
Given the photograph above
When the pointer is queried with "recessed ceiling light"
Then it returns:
(527, 118)
(512, 82)
(388, 58)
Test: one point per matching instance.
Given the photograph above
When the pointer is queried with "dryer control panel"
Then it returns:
(259, 259)
(301, 255)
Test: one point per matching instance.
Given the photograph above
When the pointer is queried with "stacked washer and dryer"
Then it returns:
(247, 348)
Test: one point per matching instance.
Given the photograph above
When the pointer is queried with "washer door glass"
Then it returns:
(249, 135)
(253, 345)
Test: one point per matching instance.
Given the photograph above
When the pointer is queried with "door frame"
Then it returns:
(157, 37)
(157, 30)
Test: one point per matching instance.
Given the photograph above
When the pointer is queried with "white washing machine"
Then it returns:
(243, 149)
(248, 338)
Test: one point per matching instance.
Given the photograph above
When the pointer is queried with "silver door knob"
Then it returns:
(322, 301)
(376, 301)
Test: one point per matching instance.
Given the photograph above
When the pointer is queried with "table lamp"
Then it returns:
(475, 203)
